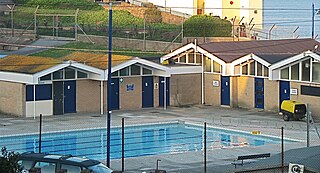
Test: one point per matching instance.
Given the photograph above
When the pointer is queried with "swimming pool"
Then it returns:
(140, 140)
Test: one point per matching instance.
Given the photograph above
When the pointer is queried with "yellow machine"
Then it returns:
(291, 109)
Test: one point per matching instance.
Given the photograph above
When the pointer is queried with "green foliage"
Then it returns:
(62, 4)
(153, 14)
(207, 26)
(58, 53)
(9, 162)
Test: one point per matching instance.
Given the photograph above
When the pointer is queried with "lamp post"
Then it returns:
(313, 13)
(109, 86)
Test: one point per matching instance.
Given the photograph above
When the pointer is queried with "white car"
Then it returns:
(51, 163)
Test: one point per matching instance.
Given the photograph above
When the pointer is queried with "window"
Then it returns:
(285, 73)
(46, 77)
(208, 65)
(147, 71)
(135, 70)
(116, 73)
(71, 168)
(306, 70)
(124, 71)
(183, 59)
(198, 58)
(295, 72)
(316, 72)
(259, 69)
(29, 93)
(216, 67)
(26, 164)
(265, 71)
(69, 73)
(191, 58)
(46, 167)
(252, 68)
(58, 74)
(245, 69)
(44, 92)
(81, 75)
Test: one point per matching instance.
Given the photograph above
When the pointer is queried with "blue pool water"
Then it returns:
(139, 141)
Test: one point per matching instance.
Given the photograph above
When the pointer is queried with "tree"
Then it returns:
(207, 26)
(152, 14)
(9, 162)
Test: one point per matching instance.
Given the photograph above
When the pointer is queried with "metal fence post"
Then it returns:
(205, 147)
(40, 133)
(122, 165)
(282, 151)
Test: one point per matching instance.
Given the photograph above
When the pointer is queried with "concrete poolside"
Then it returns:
(218, 160)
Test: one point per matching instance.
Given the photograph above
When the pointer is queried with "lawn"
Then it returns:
(92, 48)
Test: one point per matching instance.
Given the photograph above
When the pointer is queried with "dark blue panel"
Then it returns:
(29, 93)
(115, 102)
(225, 90)
(161, 91)
(69, 96)
(44, 92)
(284, 91)
(147, 91)
(259, 93)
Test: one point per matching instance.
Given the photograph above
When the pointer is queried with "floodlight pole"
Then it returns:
(109, 85)
(313, 11)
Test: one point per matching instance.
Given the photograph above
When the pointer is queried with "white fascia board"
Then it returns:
(186, 70)
(248, 57)
(16, 77)
(166, 70)
(70, 64)
(211, 56)
(178, 51)
(295, 58)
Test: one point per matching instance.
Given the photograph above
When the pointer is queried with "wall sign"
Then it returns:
(130, 87)
(294, 91)
(215, 83)
(156, 86)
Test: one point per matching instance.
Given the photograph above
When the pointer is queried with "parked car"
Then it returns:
(51, 163)
(293, 110)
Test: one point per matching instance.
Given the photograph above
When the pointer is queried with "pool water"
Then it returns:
(139, 141)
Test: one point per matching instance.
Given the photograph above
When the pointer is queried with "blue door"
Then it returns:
(114, 94)
(259, 93)
(147, 91)
(284, 91)
(70, 96)
(225, 90)
(161, 91)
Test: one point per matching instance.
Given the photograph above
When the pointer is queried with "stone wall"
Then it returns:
(131, 99)
(212, 93)
(88, 96)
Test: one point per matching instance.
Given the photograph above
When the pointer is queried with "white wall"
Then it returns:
(214, 7)
(44, 107)
(244, 12)
(184, 6)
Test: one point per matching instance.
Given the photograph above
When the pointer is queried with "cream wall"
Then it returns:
(131, 99)
(245, 92)
(12, 98)
(271, 95)
(313, 101)
(44, 107)
(212, 93)
(88, 96)
(185, 89)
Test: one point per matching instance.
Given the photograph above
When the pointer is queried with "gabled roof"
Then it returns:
(230, 51)
(96, 60)
(27, 64)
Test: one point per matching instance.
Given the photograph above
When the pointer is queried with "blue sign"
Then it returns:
(130, 87)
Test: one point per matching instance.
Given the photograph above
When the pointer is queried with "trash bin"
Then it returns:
(292, 109)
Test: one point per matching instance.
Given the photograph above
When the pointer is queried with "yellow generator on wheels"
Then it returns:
(293, 110)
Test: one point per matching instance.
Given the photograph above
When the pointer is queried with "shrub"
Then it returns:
(152, 14)
(207, 26)
(9, 162)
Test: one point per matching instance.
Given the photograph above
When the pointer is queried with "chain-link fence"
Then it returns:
(179, 141)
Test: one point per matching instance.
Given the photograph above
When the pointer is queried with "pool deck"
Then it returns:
(218, 159)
